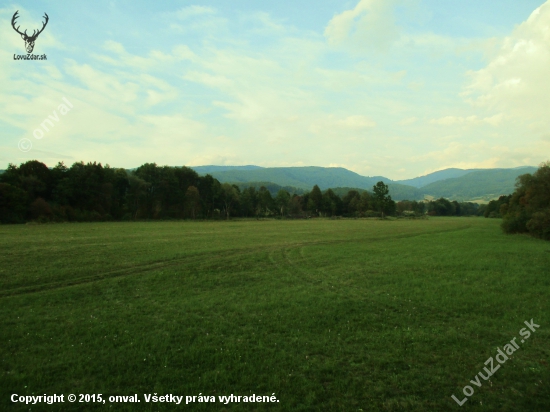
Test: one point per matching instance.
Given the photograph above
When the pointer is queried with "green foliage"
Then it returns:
(528, 209)
(406, 207)
(350, 202)
(494, 207)
(539, 224)
(272, 187)
(40, 210)
(13, 204)
(249, 202)
(296, 206)
(332, 204)
(192, 201)
(383, 202)
(315, 200)
(445, 207)
(441, 207)
(282, 201)
(95, 192)
(229, 197)
(266, 205)
(380, 191)
(342, 192)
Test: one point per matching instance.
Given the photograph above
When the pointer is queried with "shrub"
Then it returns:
(13, 204)
(40, 209)
(539, 224)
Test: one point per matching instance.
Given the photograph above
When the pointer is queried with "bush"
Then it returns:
(13, 204)
(515, 222)
(41, 210)
(95, 216)
(539, 224)
(70, 213)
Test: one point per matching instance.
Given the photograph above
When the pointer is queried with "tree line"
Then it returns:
(527, 210)
(93, 192)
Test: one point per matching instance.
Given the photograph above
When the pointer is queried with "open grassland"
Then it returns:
(330, 315)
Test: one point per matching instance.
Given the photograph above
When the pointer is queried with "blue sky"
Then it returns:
(381, 87)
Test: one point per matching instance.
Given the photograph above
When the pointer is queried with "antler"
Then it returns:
(43, 26)
(34, 33)
(15, 16)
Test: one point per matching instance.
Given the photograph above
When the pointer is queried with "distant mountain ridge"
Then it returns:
(478, 183)
(436, 176)
(457, 184)
(450, 173)
(299, 177)
(213, 169)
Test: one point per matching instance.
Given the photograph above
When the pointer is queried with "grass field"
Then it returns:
(329, 315)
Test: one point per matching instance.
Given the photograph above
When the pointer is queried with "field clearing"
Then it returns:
(343, 315)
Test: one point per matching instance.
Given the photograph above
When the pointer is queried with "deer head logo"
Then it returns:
(29, 40)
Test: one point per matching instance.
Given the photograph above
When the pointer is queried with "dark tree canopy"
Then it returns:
(383, 200)
(528, 209)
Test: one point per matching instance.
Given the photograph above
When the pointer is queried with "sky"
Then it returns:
(397, 88)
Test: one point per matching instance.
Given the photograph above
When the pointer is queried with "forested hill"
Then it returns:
(211, 169)
(436, 176)
(456, 184)
(481, 183)
(299, 177)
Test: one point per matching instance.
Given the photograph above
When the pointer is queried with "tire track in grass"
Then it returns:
(392, 302)
(145, 267)
(141, 268)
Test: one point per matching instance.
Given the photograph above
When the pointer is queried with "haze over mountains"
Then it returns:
(456, 184)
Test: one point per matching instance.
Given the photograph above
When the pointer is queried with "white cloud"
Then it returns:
(332, 125)
(370, 24)
(516, 80)
(408, 121)
(215, 81)
(494, 120)
(256, 90)
(468, 120)
(453, 120)
(356, 122)
(183, 52)
(481, 154)
(190, 11)
(267, 25)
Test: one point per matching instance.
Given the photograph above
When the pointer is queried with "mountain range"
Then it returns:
(455, 184)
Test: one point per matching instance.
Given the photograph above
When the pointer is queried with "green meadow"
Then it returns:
(327, 315)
